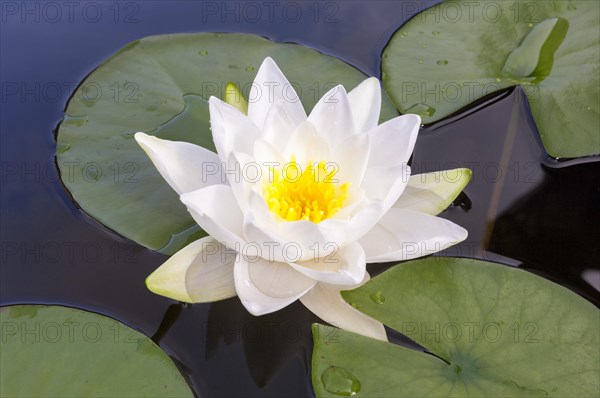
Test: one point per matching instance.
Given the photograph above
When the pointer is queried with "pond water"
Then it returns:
(521, 208)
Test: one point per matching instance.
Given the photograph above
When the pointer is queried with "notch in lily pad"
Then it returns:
(457, 52)
(532, 61)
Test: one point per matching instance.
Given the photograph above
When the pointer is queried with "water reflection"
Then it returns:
(270, 341)
(526, 209)
(592, 276)
(554, 228)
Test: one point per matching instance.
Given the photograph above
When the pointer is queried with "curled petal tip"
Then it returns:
(269, 60)
(158, 286)
(372, 80)
(416, 117)
(140, 136)
(341, 88)
(464, 234)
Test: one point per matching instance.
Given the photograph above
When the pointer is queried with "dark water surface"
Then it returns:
(521, 208)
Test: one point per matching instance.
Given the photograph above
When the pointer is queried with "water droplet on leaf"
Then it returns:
(377, 298)
(421, 110)
(88, 103)
(63, 147)
(77, 121)
(340, 382)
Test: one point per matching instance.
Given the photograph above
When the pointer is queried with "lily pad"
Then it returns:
(458, 51)
(160, 85)
(493, 330)
(52, 351)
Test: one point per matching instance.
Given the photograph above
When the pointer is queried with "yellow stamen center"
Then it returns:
(310, 193)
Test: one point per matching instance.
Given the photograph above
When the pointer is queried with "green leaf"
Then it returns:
(458, 51)
(160, 85)
(52, 351)
(496, 331)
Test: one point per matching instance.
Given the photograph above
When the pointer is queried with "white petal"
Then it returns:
(392, 142)
(201, 272)
(345, 266)
(365, 102)
(279, 125)
(240, 170)
(290, 241)
(332, 116)
(311, 239)
(386, 183)
(216, 211)
(349, 160)
(306, 145)
(366, 217)
(356, 201)
(270, 86)
(288, 246)
(432, 193)
(231, 129)
(266, 154)
(326, 302)
(186, 167)
(270, 246)
(265, 287)
(405, 234)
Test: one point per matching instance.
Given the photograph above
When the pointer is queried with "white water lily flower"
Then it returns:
(303, 203)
